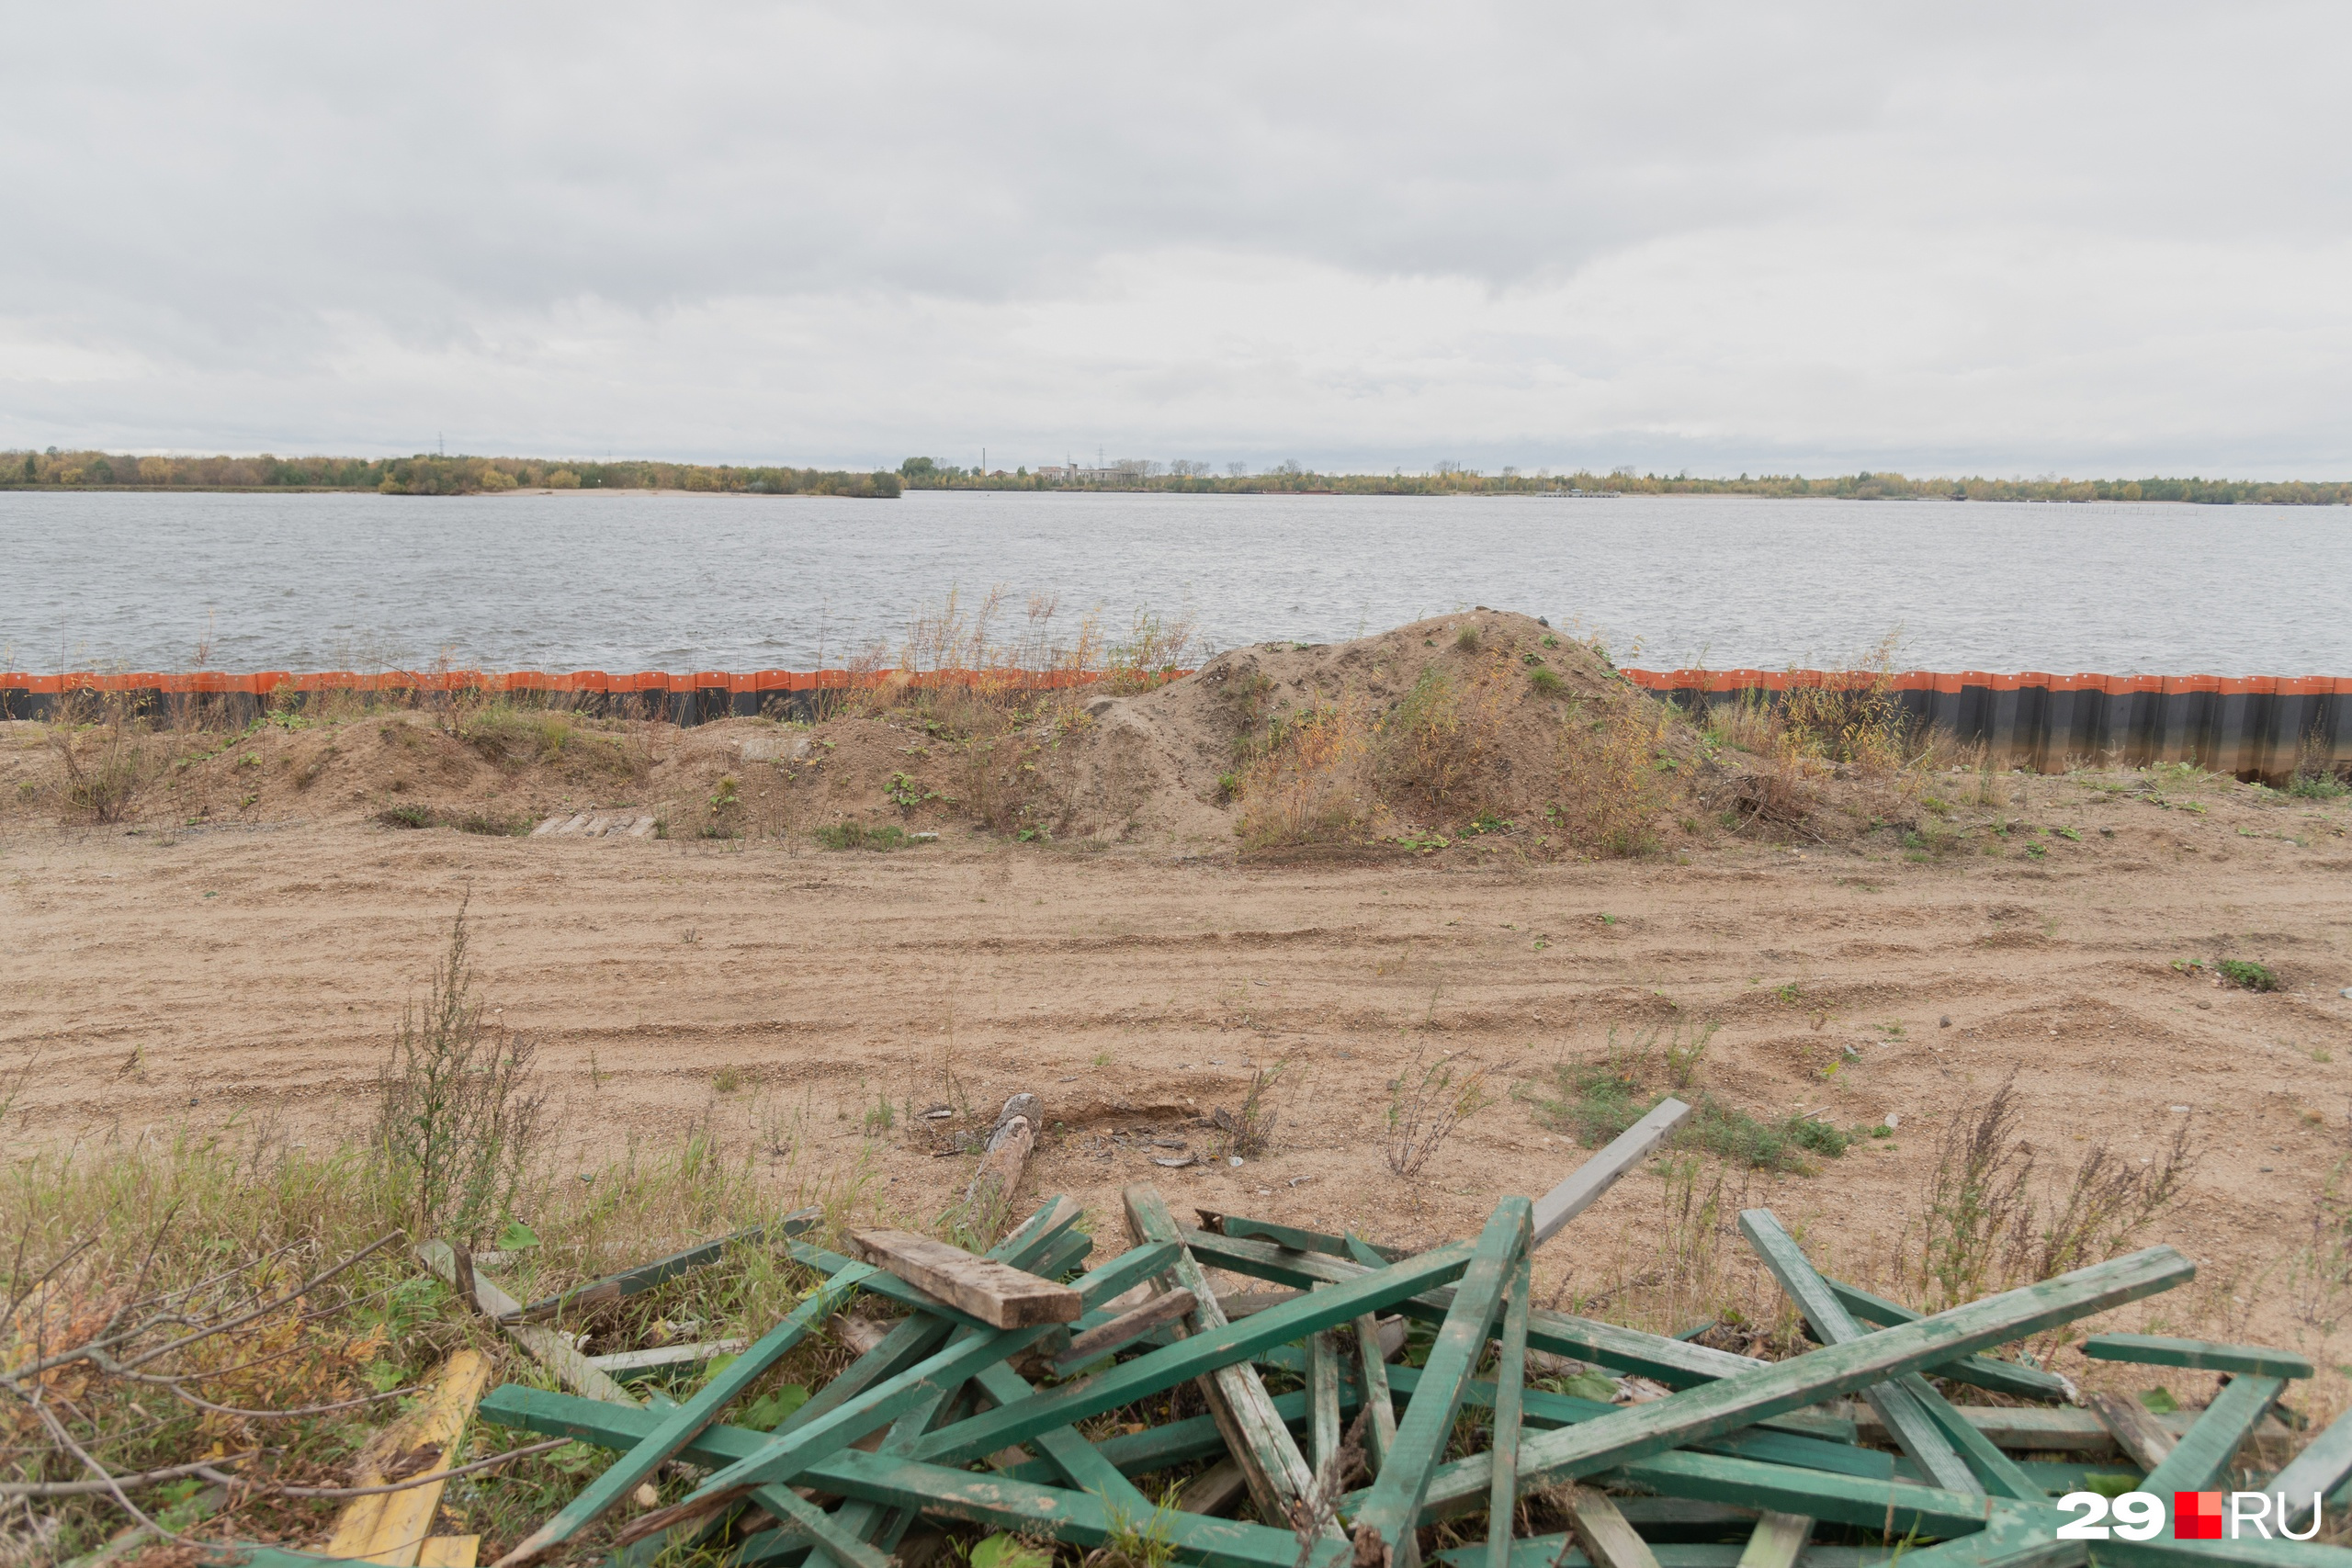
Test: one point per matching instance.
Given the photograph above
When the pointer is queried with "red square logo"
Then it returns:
(2197, 1516)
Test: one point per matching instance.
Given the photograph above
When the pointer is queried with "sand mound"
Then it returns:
(1457, 732)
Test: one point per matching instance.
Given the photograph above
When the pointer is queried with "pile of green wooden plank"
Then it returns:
(1019, 1394)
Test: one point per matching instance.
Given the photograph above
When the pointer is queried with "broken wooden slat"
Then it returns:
(390, 1528)
(1323, 1402)
(2133, 1428)
(2204, 1454)
(1596, 1176)
(1132, 1325)
(2050, 1431)
(1392, 1508)
(1082, 1464)
(1897, 1402)
(646, 1276)
(1372, 1363)
(1256, 1438)
(620, 1362)
(2159, 1351)
(1978, 1372)
(1641, 1430)
(1293, 1237)
(1778, 1541)
(844, 1547)
(2001, 1475)
(550, 1349)
(2323, 1466)
(1510, 1374)
(1215, 1490)
(1608, 1541)
(678, 1426)
(998, 1295)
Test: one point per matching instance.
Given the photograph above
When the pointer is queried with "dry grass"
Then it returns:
(1313, 780)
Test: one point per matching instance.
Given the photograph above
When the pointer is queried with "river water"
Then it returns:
(621, 581)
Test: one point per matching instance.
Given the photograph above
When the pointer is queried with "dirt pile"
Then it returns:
(1467, 733)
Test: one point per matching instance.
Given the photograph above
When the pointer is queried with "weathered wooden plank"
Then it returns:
(2002, 1476)
(1670, 1361)
(1543, 1409)
(1977, 1372)
(2202, 1355)
(1082, 1464)
(1585, 1184)
(1897, 1403)
(1642, 1430)
(449, 1552)
(1778, 1541)
(1256, 1435)
(550, 1349)
(1134, 1325)
(1511, 1375)
(2324, 1464)
(678, 1426)
(2135, 1430)
(1371, 1364)
(2049, 1431)
(620, 1364)
(842, 1546)
(1291, 1235)
(2203, 1456)
(646, 1276)
(1392, 1508)
(1323, 1400)
(389, 1529)
(790, 1452)
(2023, 1539)
(1201, 1353)
(1000, 1296)
(1608, 1541)
(1216, 1490)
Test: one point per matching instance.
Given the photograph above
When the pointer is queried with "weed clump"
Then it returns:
(410, 815)
(1594, 1101)
(1425, 1105)
(862, 836)
(2248, 975)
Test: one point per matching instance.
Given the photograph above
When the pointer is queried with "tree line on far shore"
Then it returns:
(428, 474)
(424, 474)
(1448, 478)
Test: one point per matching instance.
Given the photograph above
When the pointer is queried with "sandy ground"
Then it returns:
(241, 973)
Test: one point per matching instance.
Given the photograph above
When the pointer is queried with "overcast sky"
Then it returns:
(1990, 237)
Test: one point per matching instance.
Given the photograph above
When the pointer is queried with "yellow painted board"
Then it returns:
(391, 1527)
(449, 1552)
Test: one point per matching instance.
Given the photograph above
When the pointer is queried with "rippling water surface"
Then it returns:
(625, 581)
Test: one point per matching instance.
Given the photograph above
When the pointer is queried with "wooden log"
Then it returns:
(2133, 1428)
(1004, 1161)
(1000, 1296)
(1898, 1401)
(1585, 1184)
(2159, 1351)
(390, 1528)
(1606, 1539)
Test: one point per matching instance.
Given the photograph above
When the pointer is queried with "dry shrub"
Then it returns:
(1993, 1217)
(1611, 790)
(1439, 744)
(1313, 781)
(457, 1120)
(1425, 1105)
(1850, 715)
(95, 740)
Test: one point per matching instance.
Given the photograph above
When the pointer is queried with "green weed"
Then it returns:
(861, 836)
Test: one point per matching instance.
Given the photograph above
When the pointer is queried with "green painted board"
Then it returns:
(1382, 1518)
(1511, 1377)
(1372, 1367)
(1164, 1368)
(2158, 1350)
(2203, 1454)
(1897, 1400)
(1978, 1372)
(1670, 1361)
(2317, 1471)
(1739, 1401)
(646, 1276)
